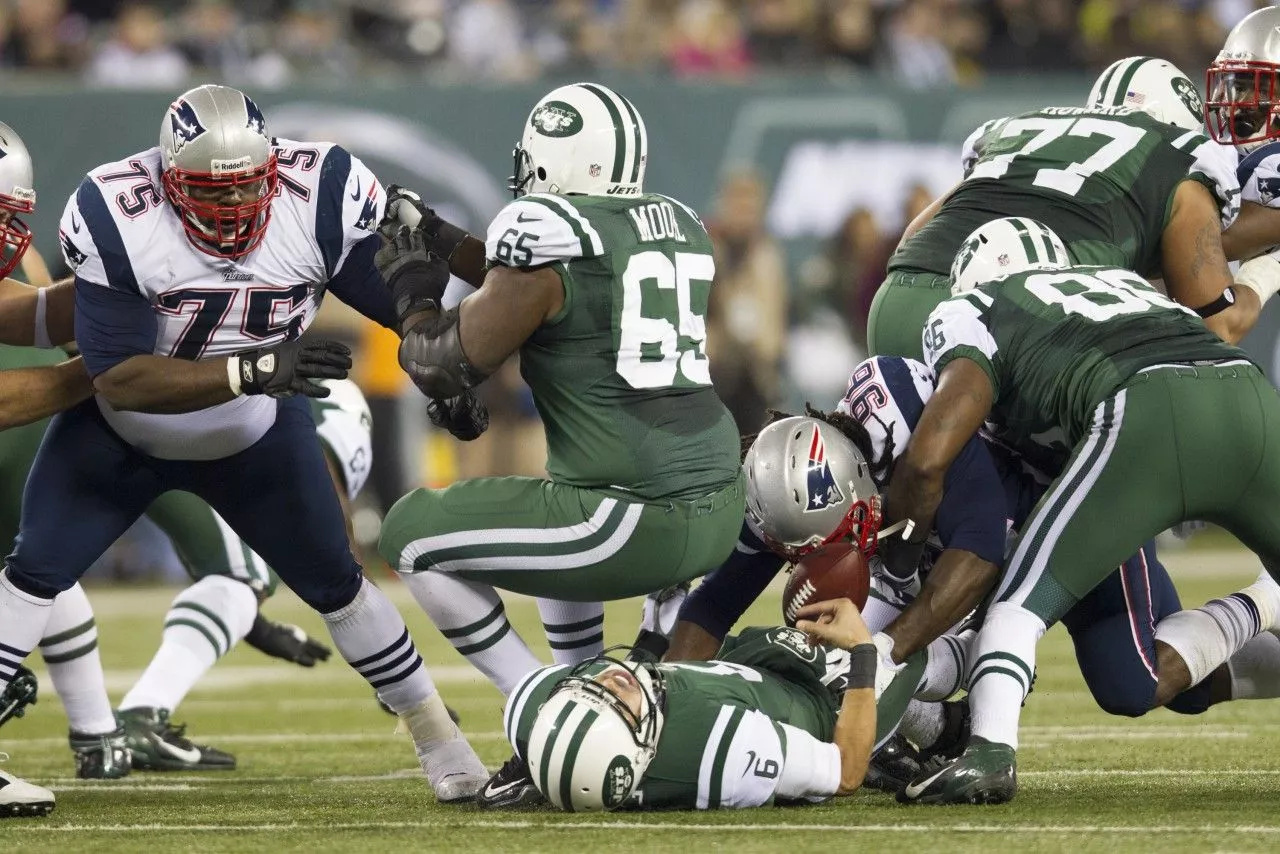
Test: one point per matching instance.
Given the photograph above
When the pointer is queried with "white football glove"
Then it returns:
(662, 609)
(904, 589)
(1261, 275)
(886, 670)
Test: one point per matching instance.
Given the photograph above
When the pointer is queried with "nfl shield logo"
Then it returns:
(594, 170)
(823, 490)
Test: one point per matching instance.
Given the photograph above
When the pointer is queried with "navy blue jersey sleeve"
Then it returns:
(725, 594)
(972, 515)
(112, 326)
(359, 285)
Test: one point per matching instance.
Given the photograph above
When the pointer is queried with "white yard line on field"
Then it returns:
(552, 824)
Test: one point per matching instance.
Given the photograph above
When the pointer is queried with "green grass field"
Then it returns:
(320, 769)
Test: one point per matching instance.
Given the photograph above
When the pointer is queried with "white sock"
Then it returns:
(472, 617)
(1255, 669)
(947, 667)
(879, 612)
(575, 630)
(22, 621)
(204, 623)
(70, 651)
(1004, 663)
(922, 723)
(373, 639)
(1209, 635)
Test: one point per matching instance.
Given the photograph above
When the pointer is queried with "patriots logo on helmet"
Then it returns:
(257, 123)
(72, 252)
(823, 490)
(185, 124)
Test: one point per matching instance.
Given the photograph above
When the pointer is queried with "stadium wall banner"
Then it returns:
(823, 145)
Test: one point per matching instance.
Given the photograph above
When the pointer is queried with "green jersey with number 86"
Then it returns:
(1102, 178)
(1056, 343)
(620, 375)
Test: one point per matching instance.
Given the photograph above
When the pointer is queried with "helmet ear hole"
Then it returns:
(542, 174)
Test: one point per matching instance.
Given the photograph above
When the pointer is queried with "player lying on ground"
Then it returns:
(780, 715)
(1160, 422)
(198, 265)
(645, 490)
(1129, 180)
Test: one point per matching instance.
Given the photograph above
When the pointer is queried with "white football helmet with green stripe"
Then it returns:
(1004, 247)
(588, 749)
(582, 138)
(1152, 85)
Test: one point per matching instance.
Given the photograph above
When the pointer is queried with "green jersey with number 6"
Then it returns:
(1102, 178)
(754, 725)
(620, 374)
(1056, 343)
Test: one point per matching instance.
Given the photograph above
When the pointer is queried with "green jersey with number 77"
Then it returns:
(620, 376)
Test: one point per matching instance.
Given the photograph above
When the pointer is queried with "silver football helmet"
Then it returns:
(1152, 85)
(808, 485)
(1003, 247)
(1243, 83)
(582, 138)
(594, 737)
(219, 169)
(17, 196)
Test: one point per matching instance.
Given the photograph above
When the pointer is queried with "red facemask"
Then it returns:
(1243, 103)
(860, 526)
(216, 228)
(15, 235)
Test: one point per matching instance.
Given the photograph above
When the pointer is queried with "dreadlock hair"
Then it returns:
(851, 427)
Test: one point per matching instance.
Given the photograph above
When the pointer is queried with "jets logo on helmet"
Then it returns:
(823, 490)
(582, 139)
(1152, 85)
(185, 124)
(619, 782)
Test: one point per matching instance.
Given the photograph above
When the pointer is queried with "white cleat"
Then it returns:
(18, 798)
(454, 770)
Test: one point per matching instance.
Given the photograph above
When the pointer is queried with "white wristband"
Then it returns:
(1261, 275)
(40, 336)
(233, 375)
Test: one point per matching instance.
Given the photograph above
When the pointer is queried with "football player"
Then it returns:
(772, 719)
(602, 289)
(198, 264)
(1093, 361)
(1133, 185)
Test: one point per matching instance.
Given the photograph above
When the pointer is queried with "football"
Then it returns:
(833, 571)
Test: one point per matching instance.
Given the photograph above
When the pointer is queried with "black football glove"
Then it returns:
(281, 640)
(465, 416)
(18, 694)
(290, 368)
(405, 207)
(417, 277)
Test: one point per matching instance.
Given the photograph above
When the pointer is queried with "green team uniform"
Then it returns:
(752, 726)
(645, 486)
(1150, 418)
(204, 543)
(1102, 178)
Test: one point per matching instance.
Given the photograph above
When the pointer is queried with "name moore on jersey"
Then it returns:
(122, 238)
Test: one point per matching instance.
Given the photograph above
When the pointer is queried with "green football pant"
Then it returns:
(901, 306)
(1175, 443)
(550, 539)
(206, 545)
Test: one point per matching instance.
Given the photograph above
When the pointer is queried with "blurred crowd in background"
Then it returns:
(274, 42)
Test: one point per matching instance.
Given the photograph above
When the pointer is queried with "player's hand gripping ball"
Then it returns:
(833, 571)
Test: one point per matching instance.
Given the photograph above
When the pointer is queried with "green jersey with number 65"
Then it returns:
(1056, 343)
(620, 375)
(1102, 178)
(752, 726)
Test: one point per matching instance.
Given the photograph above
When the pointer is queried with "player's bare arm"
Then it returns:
(1254, 231)
(953, 414)
(838, 623)
(29, 394)
(1195, 266)
(43, 317)
(955, 586)
(922, 219)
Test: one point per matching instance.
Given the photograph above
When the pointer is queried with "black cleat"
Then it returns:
(957, 726)
(18, 694)
(985, 773)
(893, 766)
(511, 788)
(158, 745)
(101, 757)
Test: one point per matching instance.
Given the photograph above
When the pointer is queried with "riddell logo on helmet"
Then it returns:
(556, 119)
(230, 167)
